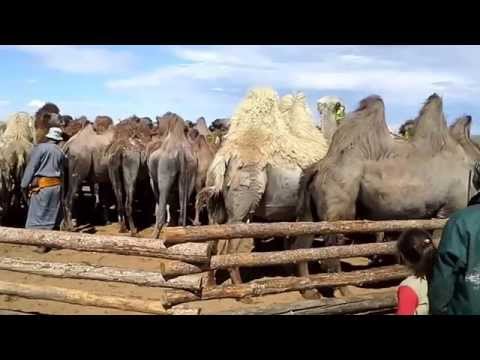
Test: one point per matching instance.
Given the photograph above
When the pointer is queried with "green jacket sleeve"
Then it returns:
(450, 261)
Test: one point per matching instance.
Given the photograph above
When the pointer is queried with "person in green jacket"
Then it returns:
(455, 285)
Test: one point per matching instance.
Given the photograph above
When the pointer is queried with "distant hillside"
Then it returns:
(476, 138)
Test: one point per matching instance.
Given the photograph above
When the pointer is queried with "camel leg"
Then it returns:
(169, 216)
(181, 199)
(102, 198)
(154, 186)
(165, 180)
(246, 187)
(305, 242)
(74, 182)
(196, 220)
(379, 238)
(129, 209)
(113, 172)
(130, 175)
(338, 205)
(191, 186)
(232, 246)
(186, 185)
(198, 207)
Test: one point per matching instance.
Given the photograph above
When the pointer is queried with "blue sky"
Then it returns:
(209, 81)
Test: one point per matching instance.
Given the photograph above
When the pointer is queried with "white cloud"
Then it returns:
(248, 66)
(80, 59)
(36, 104)
(32, 81)
(166, 76)
(403, 75)
(241, 56)
(4, 102)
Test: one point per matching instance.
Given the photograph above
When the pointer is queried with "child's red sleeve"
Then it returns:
(407, 301)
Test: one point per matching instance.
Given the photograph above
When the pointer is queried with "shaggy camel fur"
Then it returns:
(257, 168)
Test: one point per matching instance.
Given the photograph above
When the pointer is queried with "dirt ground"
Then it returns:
(110, 288)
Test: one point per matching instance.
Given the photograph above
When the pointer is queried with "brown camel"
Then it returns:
(75, 126)
(127, 166)
(45, 119)
(367, 175)
(102, 123)
(173, 163)
(87, 161)
(204, 152)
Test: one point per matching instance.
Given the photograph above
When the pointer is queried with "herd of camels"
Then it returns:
(272, 164)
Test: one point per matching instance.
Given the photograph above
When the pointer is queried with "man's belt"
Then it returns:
(45, 182)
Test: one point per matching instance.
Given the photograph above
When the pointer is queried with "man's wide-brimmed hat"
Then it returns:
(55, 133)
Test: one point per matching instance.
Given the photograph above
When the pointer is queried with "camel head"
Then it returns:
(407, 130)
(220, 125)
(147, 121)
(332, 113)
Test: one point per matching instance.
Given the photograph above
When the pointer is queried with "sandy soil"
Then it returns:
(107, 288)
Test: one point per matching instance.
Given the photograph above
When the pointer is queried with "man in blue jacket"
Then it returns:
(42, 180)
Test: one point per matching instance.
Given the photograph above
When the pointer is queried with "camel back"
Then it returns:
(364, 133)
(460, 131)
(431, 132)
(263, 131)
(130, 134)
(201, 126)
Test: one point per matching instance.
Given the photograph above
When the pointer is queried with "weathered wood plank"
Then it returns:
(189, 252)
(259, 230)
(285, 284)
(325, 306)
(78, 297)
(104, 273)
(300, 255)
(13, 312)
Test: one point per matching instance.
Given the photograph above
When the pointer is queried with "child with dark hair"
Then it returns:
(418, 253)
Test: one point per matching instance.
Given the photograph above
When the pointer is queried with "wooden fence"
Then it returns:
(184, 280)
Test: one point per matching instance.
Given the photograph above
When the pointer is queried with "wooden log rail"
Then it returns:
(176, 235)
(188, 252)
(325, 306)
(300, 255)
(78, 297)
(102, 273)
(286, 284)
(192, 254)
(13, 312)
